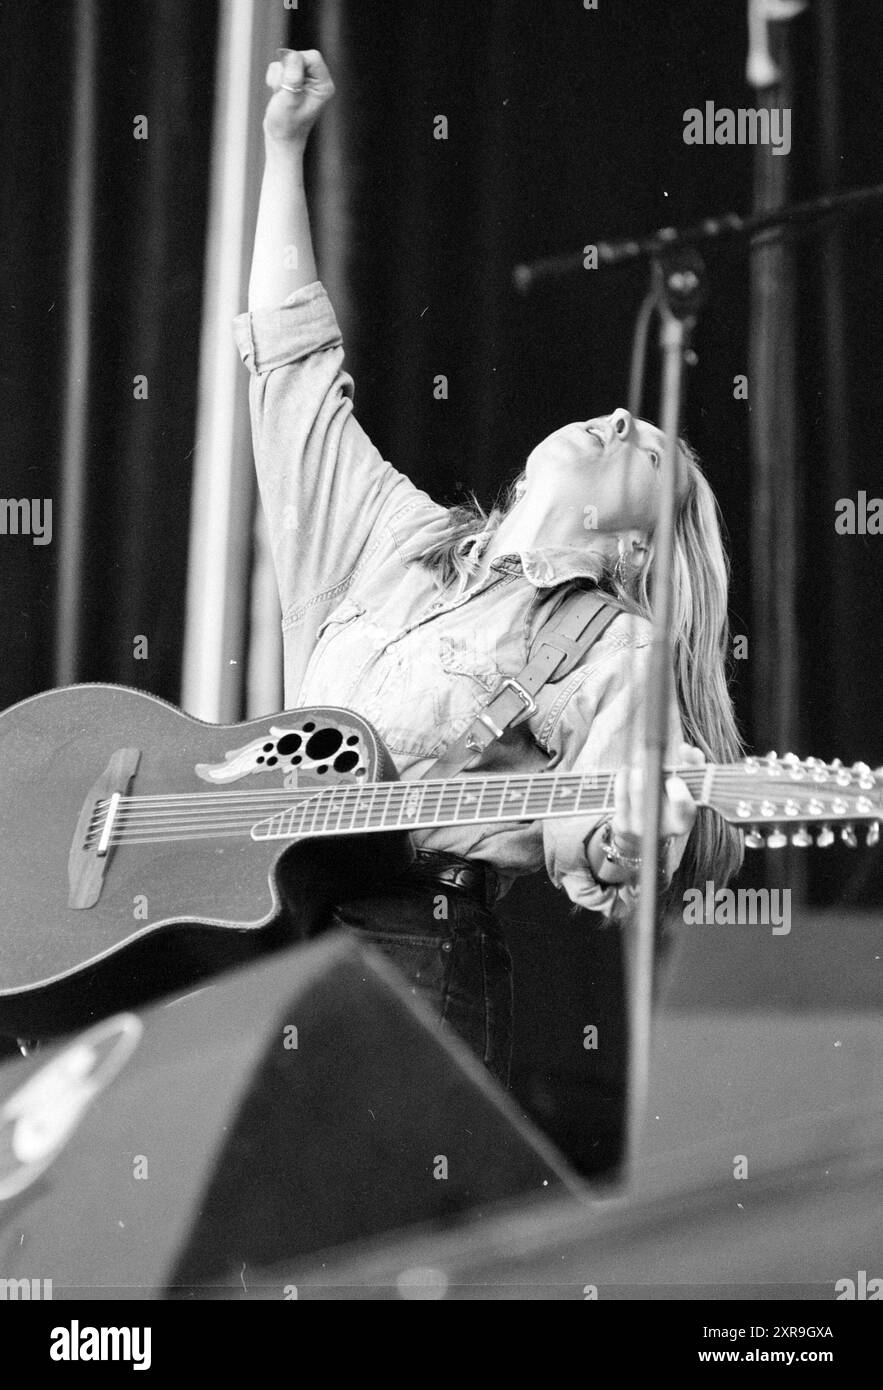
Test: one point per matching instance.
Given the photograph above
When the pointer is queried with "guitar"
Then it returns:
(125, 823)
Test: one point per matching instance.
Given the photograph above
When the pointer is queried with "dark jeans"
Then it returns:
(452, 954)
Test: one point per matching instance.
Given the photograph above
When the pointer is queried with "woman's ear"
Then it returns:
(633, 547)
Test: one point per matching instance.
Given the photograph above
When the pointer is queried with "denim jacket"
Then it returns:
(366, 626)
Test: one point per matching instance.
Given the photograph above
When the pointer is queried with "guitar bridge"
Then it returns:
(90, 850)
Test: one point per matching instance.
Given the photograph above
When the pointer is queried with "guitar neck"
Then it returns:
(420, 805)
(788, 794)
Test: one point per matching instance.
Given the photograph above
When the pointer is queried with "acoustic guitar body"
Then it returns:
(84, 932)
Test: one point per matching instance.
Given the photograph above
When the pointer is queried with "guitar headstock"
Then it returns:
(805, 801)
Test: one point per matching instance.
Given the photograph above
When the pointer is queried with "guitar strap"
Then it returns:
(558, 646)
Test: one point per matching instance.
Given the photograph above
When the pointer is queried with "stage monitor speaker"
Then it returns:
(760, 1178)
(286, 1108)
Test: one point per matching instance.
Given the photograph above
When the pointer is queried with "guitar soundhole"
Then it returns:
(324, 744)
(345, 762)
(288, 743)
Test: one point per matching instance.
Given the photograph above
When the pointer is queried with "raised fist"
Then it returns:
(301, 86)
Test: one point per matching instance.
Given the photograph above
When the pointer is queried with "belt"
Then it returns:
(470, 876)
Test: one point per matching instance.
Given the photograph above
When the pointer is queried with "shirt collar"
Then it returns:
(543, 568)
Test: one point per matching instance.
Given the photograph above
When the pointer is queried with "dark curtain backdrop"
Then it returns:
(155, 58)
(564, 127)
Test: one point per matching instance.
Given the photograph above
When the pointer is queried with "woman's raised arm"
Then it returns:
(283, 259)
(328, 494)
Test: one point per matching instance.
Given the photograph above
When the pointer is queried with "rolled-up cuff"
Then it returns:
(303, 324)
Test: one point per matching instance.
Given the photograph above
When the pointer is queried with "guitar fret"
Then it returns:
(357, 808)
(411, 802)
(439, 791)
(387, 810)
(707, 784)
(370, 811)
(489, 791)
(512, 796)
(539, 791)
(344, 807)
(316, 806)
(470, 800)
(569, 795)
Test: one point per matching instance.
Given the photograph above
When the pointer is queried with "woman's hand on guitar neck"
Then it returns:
(627, 824)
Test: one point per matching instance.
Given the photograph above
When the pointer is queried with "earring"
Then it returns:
(619, 566)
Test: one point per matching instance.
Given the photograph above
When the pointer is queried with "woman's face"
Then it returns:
(607, 469)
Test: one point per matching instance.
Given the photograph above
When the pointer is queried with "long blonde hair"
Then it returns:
(701, 638)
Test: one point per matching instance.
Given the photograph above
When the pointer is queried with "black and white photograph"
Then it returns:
(441, 559)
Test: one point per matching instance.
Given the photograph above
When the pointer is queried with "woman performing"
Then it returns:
(413, 614)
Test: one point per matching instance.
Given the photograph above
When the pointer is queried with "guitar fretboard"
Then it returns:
(421, 805)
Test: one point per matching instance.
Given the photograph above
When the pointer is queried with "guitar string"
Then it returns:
(603, 778)
(283, 799)
(719, 770)
(208, 828)
(192, 834)
(337, 808)
(338, 811)
(291, 798)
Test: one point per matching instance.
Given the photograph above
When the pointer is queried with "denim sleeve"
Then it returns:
(325, 488)
(597, 725)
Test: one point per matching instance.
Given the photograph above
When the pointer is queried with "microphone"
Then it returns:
(760, 70)
(667, 239)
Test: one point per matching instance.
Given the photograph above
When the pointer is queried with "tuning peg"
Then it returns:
(754, 839)
(825, 837)
(849, 837)
(801, 837)
(862, 769)
(836, 762)
(873, 837)
(776, 839)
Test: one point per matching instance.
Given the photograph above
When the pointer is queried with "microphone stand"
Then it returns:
(678, 289)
